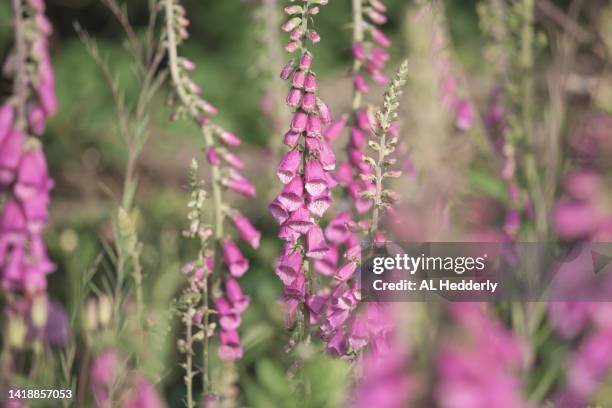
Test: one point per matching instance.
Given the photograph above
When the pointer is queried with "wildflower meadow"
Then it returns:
(306, 203)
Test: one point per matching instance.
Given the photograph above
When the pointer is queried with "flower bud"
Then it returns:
(360, 84)
(16, 332)
(287, 70)
(212, 156)
(305, 61)
(291, 24)
(229, 139)
(324, 112)
(294, 97)
(358, 51)
(310, 83)
(314, 36)
(291, 138)
(298, 80)
(105, 310)
(289, 166)
(291, 46)
(315, 178)
(39, 311)
(298, 123)
(235, 261)
(294, 9)
(309, 102)
(313, 125)
(296, 34)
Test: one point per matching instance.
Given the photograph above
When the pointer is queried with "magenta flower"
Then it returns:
(300, 220)
(291, 138)
(292, 195)
(294, 97)
(317, 205)
(144, 396)
(239, 301)
(10, 154)
(104, 372)
(304, 169)
(229, 318)
(309, 102)
(289, 166)
(246, 230)
(229, 139)
(327, 265)
(298, 124)
(230, 348)
(289, 267)
(314, 175)
(315, 243)
(234, 259)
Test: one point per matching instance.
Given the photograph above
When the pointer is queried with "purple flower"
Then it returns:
(234, 259)
(104, 372)
(298, 124)
(465, 115)
(10, 154)
(305, 61)
(246, 230)
(229, 139)
(309, 102)
(289, 166)
(358, 51)
(290, 266)
(230, 348)
(292, 195)
(239, 301)
(300, 220)
(291, 138)
(212, 156)
(229, 317)
(287, 71)
(327, 265)
(310, 83)
(335, 129)
(319, 204)
(313, 126)
(144, 396)
(294, 97)
(337, 231)
(278, 211)
(360, 84)
(298, 79)
(315, 243)
(315, 178)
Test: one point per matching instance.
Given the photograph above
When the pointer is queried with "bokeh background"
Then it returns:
(87, 159)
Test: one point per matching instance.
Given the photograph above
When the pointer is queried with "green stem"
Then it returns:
(189, 362)
(216, 187)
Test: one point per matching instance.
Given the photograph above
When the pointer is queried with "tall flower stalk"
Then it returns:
(24, 179)
(345, 328)
(369, 50)
(305, 172)
(217, 284)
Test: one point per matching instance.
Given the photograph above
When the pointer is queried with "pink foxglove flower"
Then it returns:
(305, 169)
(247, 232)
(24, 177)
(229, 300)
(234, 259)
(143, 395)
(230, 348)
